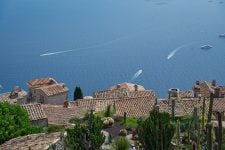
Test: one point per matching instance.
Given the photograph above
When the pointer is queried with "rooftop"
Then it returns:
(54, 89)
(59, 115)
(31, 142)
(35, 111)
(41, 82)
(129, 86)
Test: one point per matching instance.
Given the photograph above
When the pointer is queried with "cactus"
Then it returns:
(196, 118)
(210, 107)
(220, 129)
(178, 133)
(125, 117)
(189, 132)
(173, 108)
(209, 135)
(203, 114)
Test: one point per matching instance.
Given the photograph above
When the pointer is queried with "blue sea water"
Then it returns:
(111, 40)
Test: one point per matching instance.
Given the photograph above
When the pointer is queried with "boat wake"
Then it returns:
(173, 52)
(137, 74)
(96, 45)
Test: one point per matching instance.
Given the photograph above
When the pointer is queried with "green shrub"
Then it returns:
(14, 122)
(121, 143)
(55, 128)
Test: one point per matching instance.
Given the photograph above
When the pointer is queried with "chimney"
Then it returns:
(135, 87)
(66, 104)
(118, 86)
(214, 83)
(197, 82)
(217, 92)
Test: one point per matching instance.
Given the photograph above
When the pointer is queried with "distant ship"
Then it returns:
(222, 35)
(206, 47)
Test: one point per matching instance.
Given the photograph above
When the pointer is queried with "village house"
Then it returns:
(16, 95)
(204, 89)
(62, 114)
(125, 97)
(47, 91)
(36, 114)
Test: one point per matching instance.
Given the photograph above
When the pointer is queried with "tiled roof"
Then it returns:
(129, 86)
(31, 142)
(115, 93)
(41, 81)
(54, 89)
(134, 106)
(121, 93)
(59, 115)
(35, 111)
(186, 94)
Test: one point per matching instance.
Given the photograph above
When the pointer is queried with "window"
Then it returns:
(42, 99)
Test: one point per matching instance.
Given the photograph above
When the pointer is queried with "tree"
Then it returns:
(86, 136)
(156, 131)
(78, 94)
(14, 122)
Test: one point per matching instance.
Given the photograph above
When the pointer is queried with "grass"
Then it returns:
(131, 122)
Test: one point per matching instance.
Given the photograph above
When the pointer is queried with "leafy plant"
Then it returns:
(55, 128)
(14, 122)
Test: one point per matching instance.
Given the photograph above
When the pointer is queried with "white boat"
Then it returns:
(206, 47)
(222, 35)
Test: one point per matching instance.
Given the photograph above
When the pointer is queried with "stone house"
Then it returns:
(16, 95)
(47, 91)
(204, 89)
(36, 114)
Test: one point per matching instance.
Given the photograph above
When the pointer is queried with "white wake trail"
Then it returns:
(95, 45)
(173, 52)
(137, 74)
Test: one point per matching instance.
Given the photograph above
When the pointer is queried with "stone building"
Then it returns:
(16, 95)
(47, 91)
(205, 88)
(36, 114)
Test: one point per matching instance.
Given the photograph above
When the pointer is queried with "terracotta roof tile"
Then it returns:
(41, 81)
(134, 106)
(35, 111)
(54, 89)
(33, 142)
(129, 86)
(59, 115)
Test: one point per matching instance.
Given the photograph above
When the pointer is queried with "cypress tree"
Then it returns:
(78, 94)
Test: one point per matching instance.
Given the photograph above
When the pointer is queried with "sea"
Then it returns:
(95, 44)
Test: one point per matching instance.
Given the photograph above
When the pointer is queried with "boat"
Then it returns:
(206, 47)
(222, 35)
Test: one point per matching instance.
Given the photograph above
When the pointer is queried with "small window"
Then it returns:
(41, 99)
